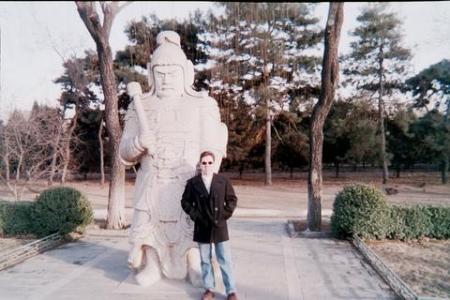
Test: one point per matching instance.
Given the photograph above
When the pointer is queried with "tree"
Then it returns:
(260, 51)
(240, 134)
(431, 138)
(336, 142)
(330, 79)
(291, 147)
(401, 143)
(378, 62)
(361, 128)
(30, 148)
(433, 85)
(77, 97)
(100, 33)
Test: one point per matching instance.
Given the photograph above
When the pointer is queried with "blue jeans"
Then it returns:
(223, 256)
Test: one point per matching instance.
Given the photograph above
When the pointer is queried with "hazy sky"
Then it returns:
(36, 35)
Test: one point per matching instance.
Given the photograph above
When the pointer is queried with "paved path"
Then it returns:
(268, 265)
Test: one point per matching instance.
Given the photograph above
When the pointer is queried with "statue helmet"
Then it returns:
(169, 52)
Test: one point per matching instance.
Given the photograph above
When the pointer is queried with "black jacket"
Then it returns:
(210, 212)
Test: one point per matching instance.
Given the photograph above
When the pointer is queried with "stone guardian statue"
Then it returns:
(165, 131)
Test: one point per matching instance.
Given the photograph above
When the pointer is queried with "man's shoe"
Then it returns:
(232, 296)
(208, 295)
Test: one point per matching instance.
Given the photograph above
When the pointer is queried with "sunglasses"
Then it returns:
(207, 162)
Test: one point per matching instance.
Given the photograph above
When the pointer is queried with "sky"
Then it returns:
(37, 36)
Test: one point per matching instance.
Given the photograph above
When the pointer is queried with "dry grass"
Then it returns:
(423, 265)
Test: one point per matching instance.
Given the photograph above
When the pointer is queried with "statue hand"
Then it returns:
(146, 140)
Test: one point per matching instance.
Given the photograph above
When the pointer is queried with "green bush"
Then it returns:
(396, 224)
(361, 210)
(440, 218)
(15, 218)
(62, 210)
(416, 222)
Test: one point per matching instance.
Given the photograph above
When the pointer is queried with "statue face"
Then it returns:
(169, 80)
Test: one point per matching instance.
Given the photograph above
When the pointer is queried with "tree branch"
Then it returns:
(90, 18)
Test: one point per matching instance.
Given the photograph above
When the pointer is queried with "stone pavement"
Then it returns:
(267, 263)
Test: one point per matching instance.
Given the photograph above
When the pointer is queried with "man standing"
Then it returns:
(209, 200)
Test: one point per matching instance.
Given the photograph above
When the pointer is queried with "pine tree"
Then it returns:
(432, 86)
(378, 61)
(262, 55)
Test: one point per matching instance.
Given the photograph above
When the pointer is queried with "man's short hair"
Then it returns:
(207, 153)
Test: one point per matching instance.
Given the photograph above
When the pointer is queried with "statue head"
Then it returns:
(170, 72)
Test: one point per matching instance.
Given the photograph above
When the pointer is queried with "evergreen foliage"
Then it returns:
(377, 53)
(359, 210)
(406, 223)
(62, 210)
(362, 211)
(15, 218)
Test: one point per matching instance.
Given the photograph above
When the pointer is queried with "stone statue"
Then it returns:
(166, 130)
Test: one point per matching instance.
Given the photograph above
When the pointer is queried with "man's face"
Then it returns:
(169, 81)
(206, 165)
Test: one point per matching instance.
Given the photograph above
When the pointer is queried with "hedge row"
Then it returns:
(55, 210)
(15, 218)
(363, 211)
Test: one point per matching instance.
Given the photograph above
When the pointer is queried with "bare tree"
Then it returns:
(100, 33)
(55, 144)
(30, 148)
(330, 78)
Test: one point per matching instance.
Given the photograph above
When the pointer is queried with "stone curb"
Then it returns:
(19, 254)
(393, 280)
(306, 234)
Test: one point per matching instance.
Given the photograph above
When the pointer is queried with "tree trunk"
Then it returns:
(337, 169)
(102, 164)
(268, 163)
(445, 161)
(381, 117)
(116, 204)
(6, 161)
(55, 154)
(100, 33)
(330, 78)
(444, 169)
(66, 151)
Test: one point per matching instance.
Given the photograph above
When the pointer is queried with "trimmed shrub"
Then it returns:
(15, 218)
(361, 210)
(396, 225)
(416, 222)
(440, 219)
(62, 210)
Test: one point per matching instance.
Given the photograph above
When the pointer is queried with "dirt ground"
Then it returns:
(425, 265)
(422, 265)
(7, 244)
